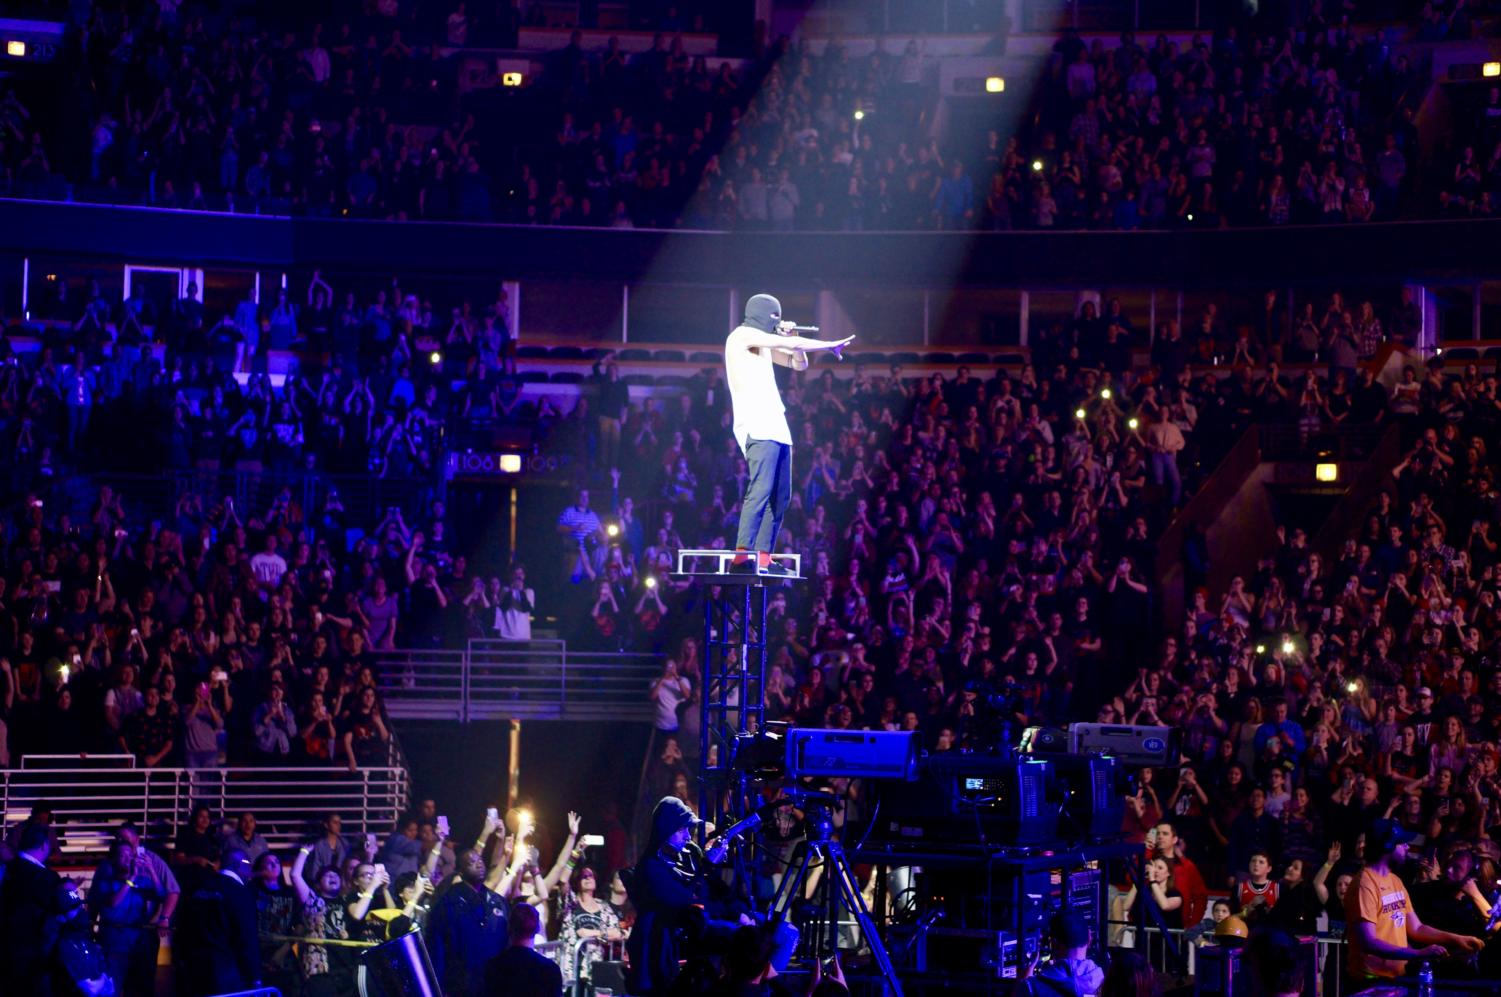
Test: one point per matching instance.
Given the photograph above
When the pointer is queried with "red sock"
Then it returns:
(763, 558)
(742, 554)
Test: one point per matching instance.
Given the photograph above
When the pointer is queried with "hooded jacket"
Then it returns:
(673, 901)
(663, 880)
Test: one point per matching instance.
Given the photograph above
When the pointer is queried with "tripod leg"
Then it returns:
(792, 881)
(850, 887)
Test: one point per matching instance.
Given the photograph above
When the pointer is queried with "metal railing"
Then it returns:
(89, 801)
(572, 965)
(522, 680)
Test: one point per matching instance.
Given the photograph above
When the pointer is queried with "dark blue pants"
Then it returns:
(767, 494)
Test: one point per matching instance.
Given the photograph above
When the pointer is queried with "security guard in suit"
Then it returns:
(30, 913)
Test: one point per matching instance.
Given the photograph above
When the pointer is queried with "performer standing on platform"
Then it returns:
(760, 426)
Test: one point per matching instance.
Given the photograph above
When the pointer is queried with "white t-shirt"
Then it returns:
(670, 695)
(514, 623)
(748, 371)
(268, 567)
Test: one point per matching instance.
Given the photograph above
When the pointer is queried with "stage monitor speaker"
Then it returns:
(399, 968)
(1131, 743)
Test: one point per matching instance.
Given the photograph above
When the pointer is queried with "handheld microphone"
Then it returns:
(804, 328)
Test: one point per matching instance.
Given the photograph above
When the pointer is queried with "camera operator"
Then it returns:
(679, 904)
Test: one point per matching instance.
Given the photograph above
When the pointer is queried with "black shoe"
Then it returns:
(745, 567)
(776, 569)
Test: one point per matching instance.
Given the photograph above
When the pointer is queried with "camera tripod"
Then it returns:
(840, 888)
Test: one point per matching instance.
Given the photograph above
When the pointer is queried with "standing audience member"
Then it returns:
(467, 926)
(30, 915)
(519, 971)
(157, 885)
(217, 949)
(121, 911)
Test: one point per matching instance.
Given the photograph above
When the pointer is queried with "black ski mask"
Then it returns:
(763, 312)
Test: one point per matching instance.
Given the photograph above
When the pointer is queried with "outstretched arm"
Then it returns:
(755, 339)
(795, 359)
(566, 858)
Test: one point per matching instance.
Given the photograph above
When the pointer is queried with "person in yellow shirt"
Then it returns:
(1384, 931)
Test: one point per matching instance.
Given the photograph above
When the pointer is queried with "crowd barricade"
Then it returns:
(1329, 953)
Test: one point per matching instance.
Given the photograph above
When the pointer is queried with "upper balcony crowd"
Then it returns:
(1267, 123)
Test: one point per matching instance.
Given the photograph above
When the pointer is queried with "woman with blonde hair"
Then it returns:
(1244, 734)
(1368, 332)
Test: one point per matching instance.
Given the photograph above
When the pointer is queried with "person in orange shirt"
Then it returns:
(1382, 926)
